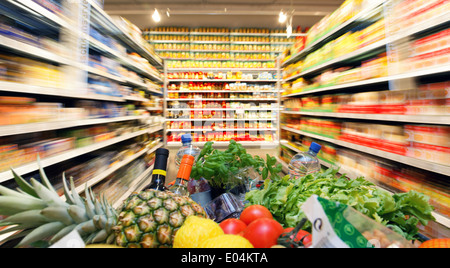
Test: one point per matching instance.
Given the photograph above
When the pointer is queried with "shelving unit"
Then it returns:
(398, 77)
(140, 73)
(237, 46)
(229, 113)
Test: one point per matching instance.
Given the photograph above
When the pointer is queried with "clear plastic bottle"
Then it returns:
(187, 148)
(305, 163)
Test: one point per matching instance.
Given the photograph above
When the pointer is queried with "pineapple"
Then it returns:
(148, 219)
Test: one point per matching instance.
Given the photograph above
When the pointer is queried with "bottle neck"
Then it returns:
(312, 153)
(181, 181)
(187, 143)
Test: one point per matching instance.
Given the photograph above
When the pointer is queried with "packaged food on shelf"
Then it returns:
(31, 72)
(405, 14)
(430, 99)
(225, 136)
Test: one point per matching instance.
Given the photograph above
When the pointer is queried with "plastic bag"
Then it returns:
(336, 225)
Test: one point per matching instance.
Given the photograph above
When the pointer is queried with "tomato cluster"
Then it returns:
(257, 225)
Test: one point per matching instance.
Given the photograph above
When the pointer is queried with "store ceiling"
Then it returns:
(221, 13)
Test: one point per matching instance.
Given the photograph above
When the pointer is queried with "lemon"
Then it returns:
(194, 231)
(226, 241)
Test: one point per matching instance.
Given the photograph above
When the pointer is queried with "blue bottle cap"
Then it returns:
(315, 147)
(186, 138)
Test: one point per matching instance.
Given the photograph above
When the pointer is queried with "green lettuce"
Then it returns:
(401, 212)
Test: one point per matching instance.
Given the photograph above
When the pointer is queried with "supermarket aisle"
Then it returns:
(95, 96)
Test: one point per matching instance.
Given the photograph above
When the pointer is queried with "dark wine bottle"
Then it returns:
(159, 170)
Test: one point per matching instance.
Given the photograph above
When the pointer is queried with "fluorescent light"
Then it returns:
(156, 17)
(283, 17)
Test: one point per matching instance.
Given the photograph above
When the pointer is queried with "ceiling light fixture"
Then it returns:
(168, 12)
(156, 17)
(283, 17)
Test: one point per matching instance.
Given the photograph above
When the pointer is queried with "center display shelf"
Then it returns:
(176, 105)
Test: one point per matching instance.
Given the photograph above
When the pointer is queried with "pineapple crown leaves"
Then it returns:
(39, 213)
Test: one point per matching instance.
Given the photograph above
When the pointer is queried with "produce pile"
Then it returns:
(400, 212)
(150, 219)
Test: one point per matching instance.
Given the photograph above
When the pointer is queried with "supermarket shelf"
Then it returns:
(60, 124)
(221, 80)
(122, 34)
(116, 167)
(222, 91)
(353, 174)
(222, 109)
(169, 41)
(132, 188)
(124, 60)
(58, 92)
(418, 73)
(165, 33)
(420, 119)
(354, 54)
(33, 51)
(413, 30)
(224, 129)
(418, 163)
(220, 119)
(222, 69)
(225, 34)
(29, 5)
(222, 99)
(154, 108)
(102, 73)
(262, 144)
(49, 161)
(133, 98)
(373, 7)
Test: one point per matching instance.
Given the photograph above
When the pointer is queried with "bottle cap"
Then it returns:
(186, 167)
(186, 138)
(188, 160)
(161, 158)
(162, 151)
(315, 147)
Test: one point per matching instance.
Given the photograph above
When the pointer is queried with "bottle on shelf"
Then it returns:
(159, 170)
(184, 173)
(305, 163)
(187, 149)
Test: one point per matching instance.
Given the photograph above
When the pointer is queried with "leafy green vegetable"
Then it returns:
(218, 167)
(402, 212)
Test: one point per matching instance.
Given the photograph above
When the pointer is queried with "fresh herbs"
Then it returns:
(219, 167)
(401, 212)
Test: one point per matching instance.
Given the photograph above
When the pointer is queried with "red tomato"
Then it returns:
(232, 226)
(307, 241)
(263, 233)
(255, 212)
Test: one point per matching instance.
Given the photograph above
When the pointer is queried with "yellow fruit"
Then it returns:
(194, 231)
(226, 241)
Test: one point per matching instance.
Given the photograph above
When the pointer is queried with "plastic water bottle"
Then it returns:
(306, 163)
(187, 148)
